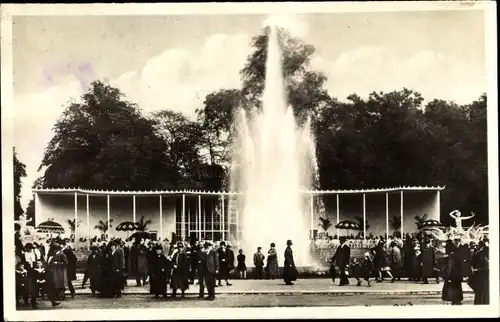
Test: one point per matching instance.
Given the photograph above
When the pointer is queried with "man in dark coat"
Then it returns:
(479, 280)
(429, 262)
(117, 264)
(258, 262)
(230, 261)
(452, 288)
(223, 264)
(71, 268)
(289, 270)
(211, 270)
(159, 273)
(341, 259)
(94, 270)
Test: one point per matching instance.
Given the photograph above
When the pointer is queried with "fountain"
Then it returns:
(273, 164)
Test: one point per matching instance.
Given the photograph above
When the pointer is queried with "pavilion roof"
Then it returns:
(63, 191)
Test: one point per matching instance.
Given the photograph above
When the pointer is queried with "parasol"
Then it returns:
(140, 235)
(50, 227)
(348, 225)
(431, 223)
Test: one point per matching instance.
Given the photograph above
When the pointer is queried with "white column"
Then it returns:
(204, 218)
(237, 222)
(183, 218)
(223, 219)
(188, 212)
(88, 216)
(212, 219)
(161, 218)
(133, 209)
(109, 218)
(438, 205)
(38, 210)
(387, 214)
(311, 214)
(338, 213)
(364, 215)
(76, 218)
(199, 217)
(402, 219)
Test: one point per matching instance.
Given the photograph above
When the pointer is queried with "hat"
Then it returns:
(207, 243)
(228, 245)
(343, 238)
(273, 245)
(180, 244)
(289, 242)
(158, 247)
(222, 243)
(28, 246)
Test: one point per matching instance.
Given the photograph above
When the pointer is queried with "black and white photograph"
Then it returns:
(259, 160)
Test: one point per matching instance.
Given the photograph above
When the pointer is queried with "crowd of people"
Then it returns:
(170, 268)
(417, 260)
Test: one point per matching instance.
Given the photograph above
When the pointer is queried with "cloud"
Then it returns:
(176, 79)
(434, 75)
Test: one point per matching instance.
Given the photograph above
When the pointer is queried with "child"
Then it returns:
(242, 268)
(363, 269)
(40, 278)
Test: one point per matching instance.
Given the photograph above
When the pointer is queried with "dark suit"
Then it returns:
(289, 270)
(341, 259)
(211, 270)
(117, 264)
(71, 268)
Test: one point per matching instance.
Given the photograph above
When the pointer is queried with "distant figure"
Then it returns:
(258, 262)
(241, 267)
(272, 262)
(457, 215)
(223, 255)
(429, 263)
(341, 260)
(210, 269)
(289, 270)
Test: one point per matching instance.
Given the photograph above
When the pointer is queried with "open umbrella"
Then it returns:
(431, 223)
(50, 227)
(348, 225)
(127, 226)
(140, 235)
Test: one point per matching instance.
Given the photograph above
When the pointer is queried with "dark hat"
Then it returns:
(223, 243)
(273, 245)
(180, 244)
(206, 244)
(343, 238)
(228, 245)
(289, 242)
(158, 247)
(28, 246)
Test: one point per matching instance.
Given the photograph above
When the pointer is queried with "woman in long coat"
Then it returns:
(272, 262)
(429, 262)
(158, 271)
(452, 288)
(180, 273)
(141, 264)
(289, 270)
(57, 270)
(224, 265)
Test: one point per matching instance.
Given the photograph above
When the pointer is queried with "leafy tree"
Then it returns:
(420, 220)
(19, 174)
(30, 211)
(74, 224)
(395, 223)
(325, 223)
(143, 224)
(304, 86)
(103, 227)
(105, 143)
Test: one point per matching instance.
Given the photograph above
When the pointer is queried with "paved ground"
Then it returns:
(234, 301)
(304, 286)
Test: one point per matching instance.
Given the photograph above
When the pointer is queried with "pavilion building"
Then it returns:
(214, 215)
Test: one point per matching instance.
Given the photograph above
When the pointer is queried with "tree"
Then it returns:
(360, 223)
(304, 86)
(183, 139)
(19, 174)
(325, 223)
(143, 225)
(103, 227)
(104, 142)
(420, 220)
(74, 224)
(30, 211)
(395, 223)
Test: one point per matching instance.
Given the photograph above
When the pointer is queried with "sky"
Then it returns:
(173, 62)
